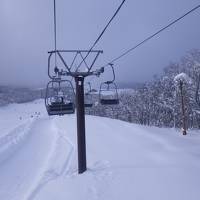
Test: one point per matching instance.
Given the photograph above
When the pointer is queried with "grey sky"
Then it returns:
(26, 35)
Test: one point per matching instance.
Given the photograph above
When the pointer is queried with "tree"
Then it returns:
(181, 81)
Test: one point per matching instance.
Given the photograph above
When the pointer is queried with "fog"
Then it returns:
(26, 35)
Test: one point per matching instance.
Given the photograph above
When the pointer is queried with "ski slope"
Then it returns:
(38, 159)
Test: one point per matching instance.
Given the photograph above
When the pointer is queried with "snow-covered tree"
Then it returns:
(181, 81)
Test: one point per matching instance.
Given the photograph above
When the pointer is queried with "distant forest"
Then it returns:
(159, 102)
(10, 94)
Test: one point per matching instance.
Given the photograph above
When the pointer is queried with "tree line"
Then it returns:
(168, 100)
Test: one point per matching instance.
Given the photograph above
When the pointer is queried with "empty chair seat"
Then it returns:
(88, 105)
(109, 101)
(60, 108)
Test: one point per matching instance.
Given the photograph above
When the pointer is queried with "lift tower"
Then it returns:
(79, 77)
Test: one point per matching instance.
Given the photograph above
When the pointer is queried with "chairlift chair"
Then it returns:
(59, 98)
(108, 92)
(88, 97)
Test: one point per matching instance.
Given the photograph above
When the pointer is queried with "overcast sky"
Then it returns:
(26, 34)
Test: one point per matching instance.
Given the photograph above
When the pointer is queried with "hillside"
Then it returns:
(38, 159)
(10, 94)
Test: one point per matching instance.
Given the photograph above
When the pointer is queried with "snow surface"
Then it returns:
(182, 77)
(38, 159)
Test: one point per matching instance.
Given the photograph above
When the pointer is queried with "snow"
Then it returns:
(38, 159)
(182, 77)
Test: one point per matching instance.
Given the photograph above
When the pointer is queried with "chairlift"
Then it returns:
(108, 92)
(88, 97)
(59, 99)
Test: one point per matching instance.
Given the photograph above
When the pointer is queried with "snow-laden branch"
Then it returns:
(182, 77)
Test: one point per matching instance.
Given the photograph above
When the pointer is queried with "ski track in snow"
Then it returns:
(13, 144)
(14, 148)
(58, 163)
(13, 140)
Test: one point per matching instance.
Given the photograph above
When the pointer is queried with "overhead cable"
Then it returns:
(97, 40)
(55, 33)
(152, 36)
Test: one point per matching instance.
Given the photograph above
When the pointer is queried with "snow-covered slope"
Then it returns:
(38, 159)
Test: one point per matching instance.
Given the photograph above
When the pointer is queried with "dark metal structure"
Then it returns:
(81, 141)
(79, 78)
(108, 92)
